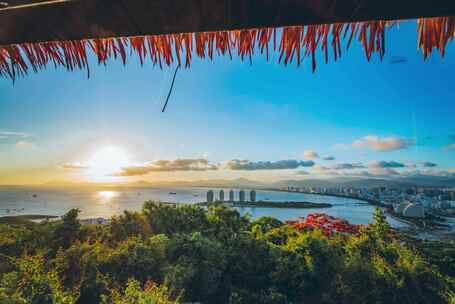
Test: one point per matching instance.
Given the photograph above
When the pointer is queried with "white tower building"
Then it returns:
(242, 196)
(210, 196)
(252, 196)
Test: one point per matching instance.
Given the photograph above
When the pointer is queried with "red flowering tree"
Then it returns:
(328, 224)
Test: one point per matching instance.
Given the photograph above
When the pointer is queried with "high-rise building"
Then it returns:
(231, 195)
(252, 196)
(221, 195)
(242, 196)
(210, 196)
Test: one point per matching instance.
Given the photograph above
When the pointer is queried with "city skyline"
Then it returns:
(228, 119)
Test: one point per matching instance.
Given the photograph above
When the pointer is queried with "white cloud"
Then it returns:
(385, 164)
(188, 164)
(348, 166)
(310, 154)
(383, 144)
(323, 170)
(449, 147)
(383, 171)
(247, 165)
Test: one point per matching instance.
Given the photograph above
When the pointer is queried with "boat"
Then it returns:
(172, 193)
(34, 195)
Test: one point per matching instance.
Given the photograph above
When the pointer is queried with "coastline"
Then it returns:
(371, 202)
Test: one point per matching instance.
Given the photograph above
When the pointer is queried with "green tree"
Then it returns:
(134, 258)
(68, 230)
(127, 225)
(198, 267)
(32, 283)
(169, 219)
(381, 227)
(264, 224)
(134, 294)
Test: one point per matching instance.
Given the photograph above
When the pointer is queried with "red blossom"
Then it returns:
(328, 224)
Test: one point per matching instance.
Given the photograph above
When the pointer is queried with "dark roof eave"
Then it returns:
(84, 19)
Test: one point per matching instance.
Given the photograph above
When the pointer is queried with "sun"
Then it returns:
(106, 162)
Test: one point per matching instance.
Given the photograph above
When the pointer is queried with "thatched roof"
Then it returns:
(34, 33)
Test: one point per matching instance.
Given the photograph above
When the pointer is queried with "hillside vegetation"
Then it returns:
(183, 254)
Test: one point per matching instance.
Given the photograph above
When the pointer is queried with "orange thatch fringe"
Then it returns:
(296, 43)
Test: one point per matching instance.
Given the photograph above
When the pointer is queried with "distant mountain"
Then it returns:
(398, 182)
(221, 183)
(430, 181)
(375, 183)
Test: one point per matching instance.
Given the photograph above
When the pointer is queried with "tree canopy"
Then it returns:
(177, 254)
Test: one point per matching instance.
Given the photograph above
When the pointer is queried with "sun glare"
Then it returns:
(106, 162)
(106, 196)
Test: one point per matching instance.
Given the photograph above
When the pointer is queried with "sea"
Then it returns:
(106, 202)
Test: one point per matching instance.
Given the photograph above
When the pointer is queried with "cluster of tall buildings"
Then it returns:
(241, 196)
(409, 202)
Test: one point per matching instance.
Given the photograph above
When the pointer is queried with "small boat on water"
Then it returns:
(173, 193)
(34, 195)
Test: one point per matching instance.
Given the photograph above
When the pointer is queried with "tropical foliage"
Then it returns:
(167, 254)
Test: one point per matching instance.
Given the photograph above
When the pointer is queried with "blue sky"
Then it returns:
(224, 109)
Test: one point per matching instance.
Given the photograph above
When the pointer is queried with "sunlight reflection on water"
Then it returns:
(106, 196)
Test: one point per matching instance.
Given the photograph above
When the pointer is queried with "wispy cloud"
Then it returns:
(13, 134)
(24, 144)
(310, 154)
(199, 164)
(236, 164)
(21, 139)
(73, 166)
